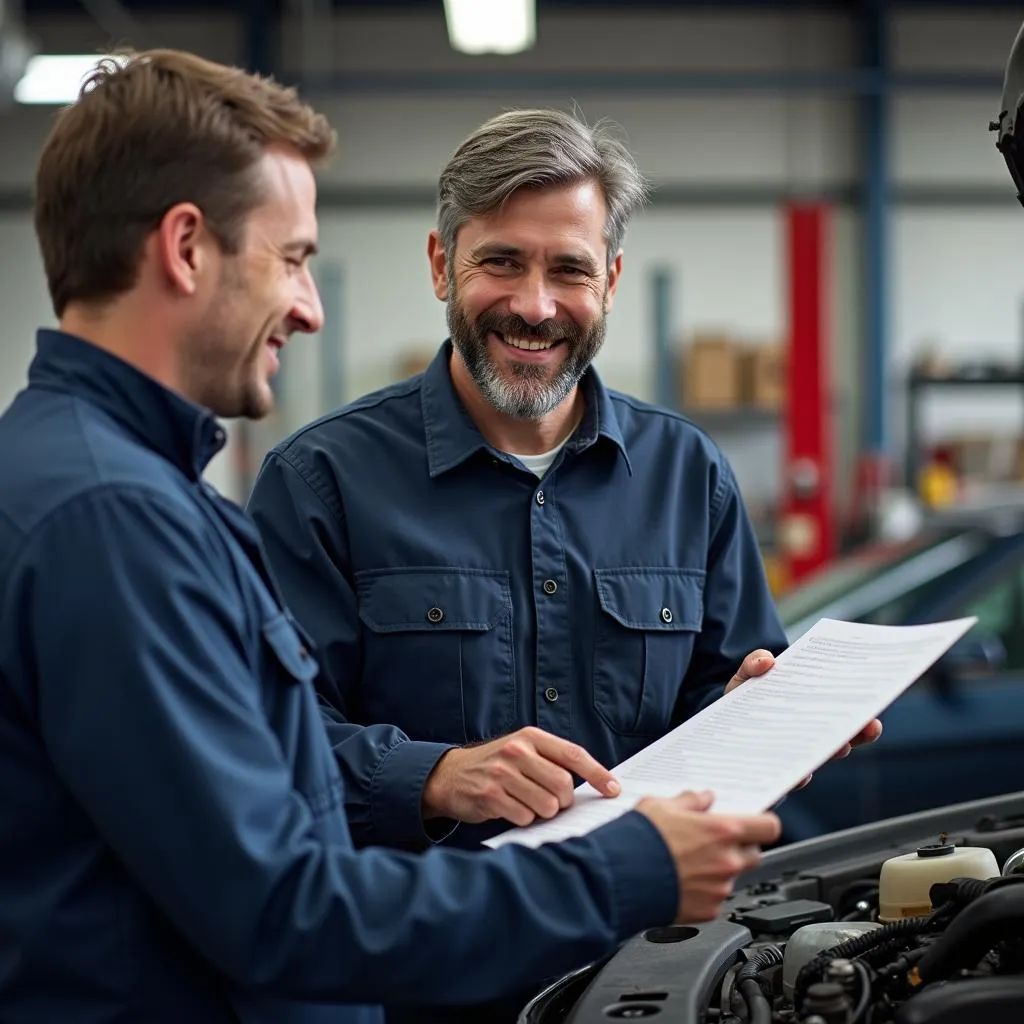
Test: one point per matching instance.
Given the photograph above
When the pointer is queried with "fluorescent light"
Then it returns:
(491, 26)
(55, 78)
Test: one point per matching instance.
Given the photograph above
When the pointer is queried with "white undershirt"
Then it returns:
(539, 464)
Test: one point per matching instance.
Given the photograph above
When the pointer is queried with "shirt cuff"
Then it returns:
(396, 795)
(642, 874)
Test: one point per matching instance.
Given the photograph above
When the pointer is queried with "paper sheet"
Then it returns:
(755, 744)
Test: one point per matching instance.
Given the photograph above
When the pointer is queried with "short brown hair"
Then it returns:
(150, 130)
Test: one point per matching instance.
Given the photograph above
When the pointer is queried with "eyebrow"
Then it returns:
(303, 245)
(571, 259)
(495, 249)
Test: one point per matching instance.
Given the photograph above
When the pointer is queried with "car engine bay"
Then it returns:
(919, 920)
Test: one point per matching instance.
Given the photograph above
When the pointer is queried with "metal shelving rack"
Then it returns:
(920, 383)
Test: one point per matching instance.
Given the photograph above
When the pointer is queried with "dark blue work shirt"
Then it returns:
(173, 843)
(457, 596)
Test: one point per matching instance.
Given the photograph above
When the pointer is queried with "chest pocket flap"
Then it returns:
(653, 599)
(649, 620)
(437, 651)
(434, 599)
(289, 650)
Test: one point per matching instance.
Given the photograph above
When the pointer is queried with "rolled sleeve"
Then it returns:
(387, 772)
(396, 794)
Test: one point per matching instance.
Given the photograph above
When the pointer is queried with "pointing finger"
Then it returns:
(574, 758)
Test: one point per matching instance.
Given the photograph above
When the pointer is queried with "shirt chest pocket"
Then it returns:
(648, 620)
(438, 652)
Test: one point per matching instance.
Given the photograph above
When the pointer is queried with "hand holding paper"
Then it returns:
(757, 663)
(709, 850)
(761, 739)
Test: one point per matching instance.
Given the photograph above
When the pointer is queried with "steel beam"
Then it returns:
(875, 122)
(848, 82)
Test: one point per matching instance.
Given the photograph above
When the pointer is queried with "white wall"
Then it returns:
(955, 272)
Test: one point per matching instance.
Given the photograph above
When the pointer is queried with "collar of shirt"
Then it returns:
(183, 433)
(452, 436)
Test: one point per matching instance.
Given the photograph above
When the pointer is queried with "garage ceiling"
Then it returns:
(35, 8)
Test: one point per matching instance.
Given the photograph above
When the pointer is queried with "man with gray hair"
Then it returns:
(515, 576)
(514, 567)
(515, 155)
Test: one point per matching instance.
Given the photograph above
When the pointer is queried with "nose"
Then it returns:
(532, 299)
(307, 313)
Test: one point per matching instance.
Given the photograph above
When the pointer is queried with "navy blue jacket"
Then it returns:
(455, 595)
(173, 845)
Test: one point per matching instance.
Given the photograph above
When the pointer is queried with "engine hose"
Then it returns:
(759, 1010)
(762, 960)
(749, 985)
(965, 1002)
(961, 891)
(995, 916)
(902, 963)
(908, 927)
(881, 955)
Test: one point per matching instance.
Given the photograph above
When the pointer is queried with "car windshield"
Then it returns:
(858, 570)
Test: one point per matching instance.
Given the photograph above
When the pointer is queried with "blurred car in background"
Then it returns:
(958, 733)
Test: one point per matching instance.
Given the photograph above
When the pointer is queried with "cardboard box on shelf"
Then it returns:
(710, 372)
(763, 376)
(975, 456)
(1018, 462)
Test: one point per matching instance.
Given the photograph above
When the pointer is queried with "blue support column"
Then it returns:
(664, 364)
(259, 36)
(875, 123)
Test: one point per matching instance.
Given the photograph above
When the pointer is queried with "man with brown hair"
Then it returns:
(173, 838)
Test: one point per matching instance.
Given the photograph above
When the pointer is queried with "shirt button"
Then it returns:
(435, 615)
(550, 586)
(666, 614)
(540, 497)
(551, 695)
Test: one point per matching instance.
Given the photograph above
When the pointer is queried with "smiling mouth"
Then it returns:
(525, 344)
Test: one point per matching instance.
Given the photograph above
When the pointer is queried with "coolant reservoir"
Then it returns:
(905, 881)
(807, 942)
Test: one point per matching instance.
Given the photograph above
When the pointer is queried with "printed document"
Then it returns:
(755, 744)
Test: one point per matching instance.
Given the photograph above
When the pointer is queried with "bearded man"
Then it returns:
(516, 577)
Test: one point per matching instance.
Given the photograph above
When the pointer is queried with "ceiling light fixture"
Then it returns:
(55, 79)
(491, 26)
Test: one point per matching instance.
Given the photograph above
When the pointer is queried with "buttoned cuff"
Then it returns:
(396, 795)
(641, 872)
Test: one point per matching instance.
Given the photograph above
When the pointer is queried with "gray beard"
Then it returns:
(529, 393)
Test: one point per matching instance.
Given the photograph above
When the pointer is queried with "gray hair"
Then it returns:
(537, 149)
